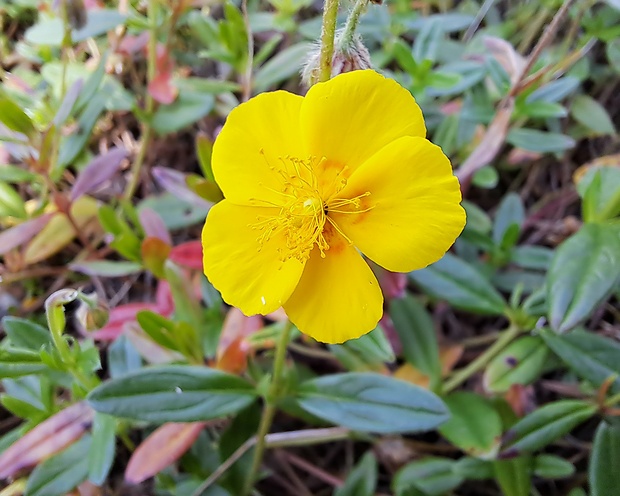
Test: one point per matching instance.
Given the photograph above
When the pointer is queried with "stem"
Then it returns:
(479, 363)
(149, 103)
(328, 33)
(269, 410)
(352, 21)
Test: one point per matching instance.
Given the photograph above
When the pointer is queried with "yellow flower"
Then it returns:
(309, 181)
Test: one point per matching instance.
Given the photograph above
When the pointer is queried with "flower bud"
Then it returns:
(348, 56)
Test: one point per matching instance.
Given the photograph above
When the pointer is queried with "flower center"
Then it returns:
(302, 211)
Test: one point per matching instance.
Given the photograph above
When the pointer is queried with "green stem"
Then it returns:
(149, 103)
(271, 399)
(479, 363)
(352, 21)
(328, 33)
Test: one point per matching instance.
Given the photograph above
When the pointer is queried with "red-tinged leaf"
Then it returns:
(46, 439)
(125, 314)
(163, 298)
(97, 172)
(132, 44)
(175, 182)
(161, 87)
(391, 334)
(154, 255)
(188, 255)
(392, 284)
(119, 316)
(161, 449)
(15, 236)
(153, 225)
(233, 349)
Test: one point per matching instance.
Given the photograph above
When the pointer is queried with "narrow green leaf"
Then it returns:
(461, 285)
(510, 212)
(603, 471)
(583, 272)
(417, 335)
(173, 394)
(521, 362)
(123, 357)
(13, 117)
(588, 112)
(372, 402)
(362, 480)
(101, 454)
(545, 425)
(281, 67)
(62, 472)
(539, 141)
(513, 476)
(26, 334)
(592, 357)
(552, 467)
(431, 476)
(474, 426)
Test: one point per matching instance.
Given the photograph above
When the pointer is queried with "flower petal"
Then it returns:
(253, 281)
(350, 117)
(416, 213)
(248, 151)
(338, 297)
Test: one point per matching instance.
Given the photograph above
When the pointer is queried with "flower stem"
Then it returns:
(479, 363)
(271, 399)
(328, 34)
(149, 103)
(352, 21)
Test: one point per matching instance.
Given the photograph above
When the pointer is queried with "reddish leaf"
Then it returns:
(154, 226)
(188, 254)
(161, 449)
(161, 87)
(97, 172)
(392, 284)
(15, 236)
(233, 349)
(46, 439)
(154, 255)
(124, 314)
(132, 44)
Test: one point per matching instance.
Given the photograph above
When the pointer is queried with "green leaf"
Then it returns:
(26, 334)
(594, 358)
(521, 362)
(552, 467)
(600, 190)
(427, 41)
(555, 90)
(532, 257)
(431, 476)
(545, 425)
(101, 455)
(284, 65)
(123, 357)
(584, 270)
(62, 472)
(510, 213)
(486, 177)
(613, 54)
(416, 331)
(372, 402)
(13, 117)
(173, 394)
(604, 476)
(107, 268)
(366, 353)
(11, 203)
(588, 112)
(539, 141)
(18, 362)
(513, 476)
(189, 107)
(362, 480)
(474, 426)
(461, 285)
(474, 468)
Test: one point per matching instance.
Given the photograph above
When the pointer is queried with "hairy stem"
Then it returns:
(328, 34)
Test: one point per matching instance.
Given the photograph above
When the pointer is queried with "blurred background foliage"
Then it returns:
(495, 371)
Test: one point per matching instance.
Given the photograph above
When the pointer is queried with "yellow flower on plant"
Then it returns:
(309, 183)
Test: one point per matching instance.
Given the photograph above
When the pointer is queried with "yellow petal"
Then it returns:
(349, 118)
(338, 297)
(248, 151)
(253, 281)
(416, 214)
